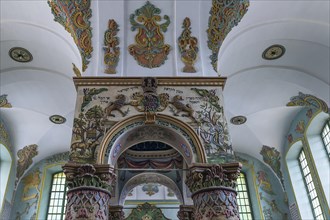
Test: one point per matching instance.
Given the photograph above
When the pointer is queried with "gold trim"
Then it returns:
(9, 176)
(44, 174)
(162, 81)
(251, 168)
(200, 152)
(157, 154)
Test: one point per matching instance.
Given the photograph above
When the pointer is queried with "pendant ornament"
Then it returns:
(188, 47)
(111, 49)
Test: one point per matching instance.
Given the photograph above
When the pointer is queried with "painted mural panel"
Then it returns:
(269, 191)
(102, 107)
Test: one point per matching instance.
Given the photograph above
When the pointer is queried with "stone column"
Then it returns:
(213, 190)
(186, 212)
(89, 193)
(116, 212)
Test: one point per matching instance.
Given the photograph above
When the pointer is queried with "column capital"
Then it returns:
(203, 176)
(186, 212)
(101, 176)
(116, 212)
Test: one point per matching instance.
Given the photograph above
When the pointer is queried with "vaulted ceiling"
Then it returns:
(256, 88)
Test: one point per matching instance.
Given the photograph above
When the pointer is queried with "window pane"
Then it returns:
(326, 137)
(243, 198)
(314, 201)
(57, 198)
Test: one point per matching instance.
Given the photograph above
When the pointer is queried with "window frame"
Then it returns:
(307, 188)
(63, 205)
(326, 146)
(248, 196)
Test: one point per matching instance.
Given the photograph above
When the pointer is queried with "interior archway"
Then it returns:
(166, 129)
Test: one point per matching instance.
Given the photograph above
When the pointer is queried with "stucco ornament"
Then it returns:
(74, 17)
(188, 47)
(309, 101)
(146, 211)
(224, 15)
(111, 49)
(149, 50)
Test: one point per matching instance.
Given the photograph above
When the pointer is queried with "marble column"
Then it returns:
(89, 193)
(213, 190)
(116, 212)
(186, 212)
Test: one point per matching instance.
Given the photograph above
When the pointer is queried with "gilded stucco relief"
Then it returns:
(149, 49)
(74, 17)
(224, 15)
(111, 49)
(188, 47)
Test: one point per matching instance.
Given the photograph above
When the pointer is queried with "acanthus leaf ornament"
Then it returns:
(188, 47)
(111, 49)
(149, 50)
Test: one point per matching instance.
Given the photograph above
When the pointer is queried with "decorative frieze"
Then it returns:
(188, 47)
(111, 49)
(149, 49)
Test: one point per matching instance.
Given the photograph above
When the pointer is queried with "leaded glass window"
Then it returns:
(312, 194)
(326, 136)
(57, 198)
(243, 200)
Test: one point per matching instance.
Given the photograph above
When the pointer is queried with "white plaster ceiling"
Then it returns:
(256, 88)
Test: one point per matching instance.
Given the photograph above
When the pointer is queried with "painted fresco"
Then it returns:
(272, 157)
(188, 47)
(269, 191)
(149, 49)
(4, 103)
(25, 160)
(29, 189)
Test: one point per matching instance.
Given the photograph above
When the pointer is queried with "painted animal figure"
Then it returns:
(116, 106)
(181, 107)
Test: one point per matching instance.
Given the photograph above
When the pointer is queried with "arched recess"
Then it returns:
(144, 178)
(166, 129)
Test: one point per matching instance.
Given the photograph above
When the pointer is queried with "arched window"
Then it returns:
(57, 197)
(326, 136)
(310, 186)
(243, 200)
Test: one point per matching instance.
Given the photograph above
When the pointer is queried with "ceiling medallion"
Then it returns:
(20, 54)
(273, 52)
(57, 119)
(238, 120)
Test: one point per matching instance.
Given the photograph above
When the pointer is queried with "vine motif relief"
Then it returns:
(146, 211)
(111, 49)
(224, 15)
(213, 128)
(188, 47)
(74, 17)
(149, 50)
(88, 95)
